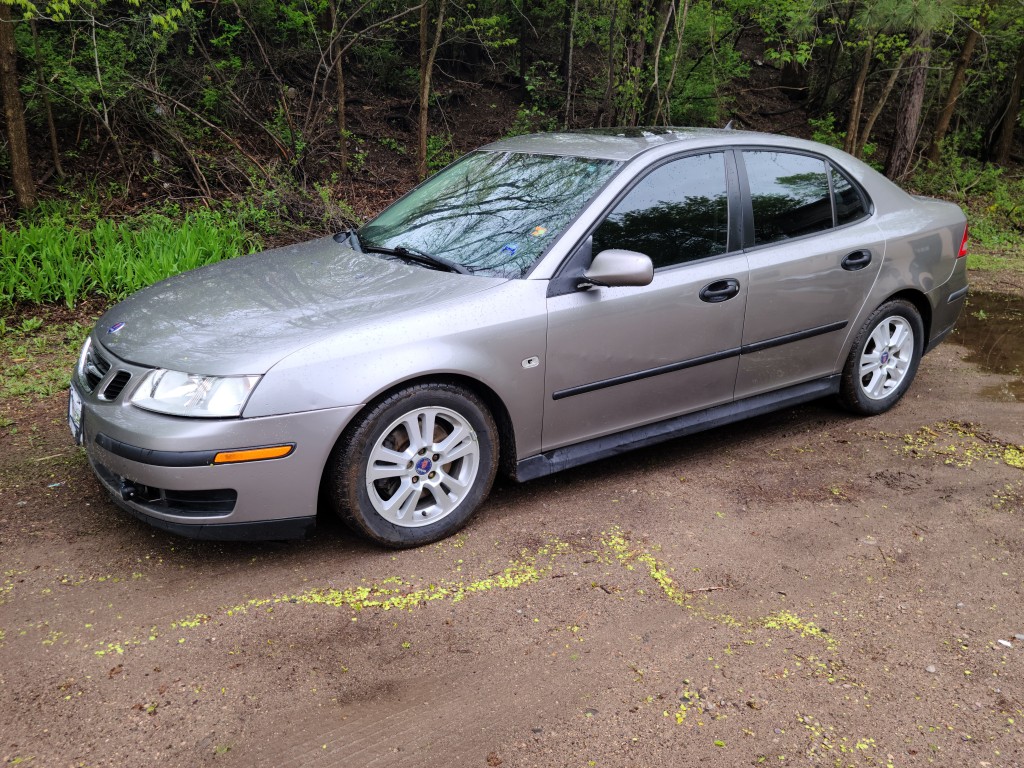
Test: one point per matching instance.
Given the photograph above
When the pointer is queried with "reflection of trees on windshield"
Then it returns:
(806, 187)
(669, 233)
(492, 212)
(787, 204)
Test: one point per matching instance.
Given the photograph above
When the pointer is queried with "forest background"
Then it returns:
(144, 137)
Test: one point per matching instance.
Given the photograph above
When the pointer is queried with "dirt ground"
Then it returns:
(806, 588)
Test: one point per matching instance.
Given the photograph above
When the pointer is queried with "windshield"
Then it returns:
(494, 213)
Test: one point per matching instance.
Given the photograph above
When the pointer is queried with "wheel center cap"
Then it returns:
(423, 466)
(884, 358)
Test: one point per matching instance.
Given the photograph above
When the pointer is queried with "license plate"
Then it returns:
(75, 415)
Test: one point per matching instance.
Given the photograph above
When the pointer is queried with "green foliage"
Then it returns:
(823, 129)
(55, 260)
(994, 202)
(709, 64)
(960, 178)
(357, 153)
(336, 214)
(531, 120)
(440, 151)
(392, 144)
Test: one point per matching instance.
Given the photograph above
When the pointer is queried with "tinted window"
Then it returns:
(789, 194)
(493, 212)
(849, 203)
(678, 212)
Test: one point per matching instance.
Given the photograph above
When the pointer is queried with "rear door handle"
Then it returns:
(857, 260)
(719, 291)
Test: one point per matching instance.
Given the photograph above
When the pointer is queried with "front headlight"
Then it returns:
(189, 394)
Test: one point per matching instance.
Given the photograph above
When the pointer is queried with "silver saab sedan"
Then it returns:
(546, 301)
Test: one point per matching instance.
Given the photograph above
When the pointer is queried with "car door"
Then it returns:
(626, 356)
(814, 254)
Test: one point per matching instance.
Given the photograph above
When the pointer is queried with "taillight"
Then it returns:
(963, 245)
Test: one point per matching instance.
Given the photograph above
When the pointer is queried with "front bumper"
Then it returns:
(159, 468)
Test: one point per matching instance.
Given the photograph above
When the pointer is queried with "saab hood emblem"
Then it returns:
(115, 328)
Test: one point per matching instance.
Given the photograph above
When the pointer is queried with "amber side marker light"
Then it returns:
(253, 454)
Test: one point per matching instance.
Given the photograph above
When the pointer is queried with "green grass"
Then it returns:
(53, 261)
(992, 199)
(993, 245)
(36, 357)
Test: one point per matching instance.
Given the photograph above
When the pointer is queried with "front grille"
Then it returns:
(96, 367)
(116, 385)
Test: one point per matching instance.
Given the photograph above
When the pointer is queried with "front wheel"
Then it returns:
(884, 359)
(416, 466)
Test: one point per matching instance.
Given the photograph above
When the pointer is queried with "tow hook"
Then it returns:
(128, 490)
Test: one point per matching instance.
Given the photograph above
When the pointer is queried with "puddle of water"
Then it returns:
(992, 328)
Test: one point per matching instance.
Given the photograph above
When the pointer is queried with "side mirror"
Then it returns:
(615, 267)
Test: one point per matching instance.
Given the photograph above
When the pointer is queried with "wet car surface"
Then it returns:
(546, 301)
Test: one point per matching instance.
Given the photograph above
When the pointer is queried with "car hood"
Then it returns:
(242, 316)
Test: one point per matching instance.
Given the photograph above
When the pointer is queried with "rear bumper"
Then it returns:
(947, 301)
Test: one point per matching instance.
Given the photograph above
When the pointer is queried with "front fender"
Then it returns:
(485, 337)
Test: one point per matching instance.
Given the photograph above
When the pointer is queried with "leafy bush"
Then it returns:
(54, 260)
(440, 151)
(994, 202)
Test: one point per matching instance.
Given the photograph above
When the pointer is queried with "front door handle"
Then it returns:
(857, 260)
(719, 291)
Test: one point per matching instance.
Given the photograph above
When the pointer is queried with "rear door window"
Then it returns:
(789, 194)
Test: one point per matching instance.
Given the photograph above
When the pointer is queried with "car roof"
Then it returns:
(626, 143)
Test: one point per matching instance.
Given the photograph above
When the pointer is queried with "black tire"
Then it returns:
(418, 498)
(883, 360)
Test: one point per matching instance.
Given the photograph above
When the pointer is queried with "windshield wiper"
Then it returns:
(418, 257)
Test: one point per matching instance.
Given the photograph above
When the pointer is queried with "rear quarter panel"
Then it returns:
(923, 238)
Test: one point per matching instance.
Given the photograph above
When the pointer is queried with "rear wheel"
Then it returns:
(416, 466)
(884, 359)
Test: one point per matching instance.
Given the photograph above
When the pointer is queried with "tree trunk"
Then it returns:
(571, 10)
(338, 52)
(568, 28)
(14, 114)
(606, 110)
(955, 86)
(339, 74)
(857, 101)
(652, 105)
(908, 119)
(103, 114)
(682, 13)
(47, 107)
(824, 86)
(1012, 114)
(634, 59)
(427, 56)
(865, 134)
(524, 29)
